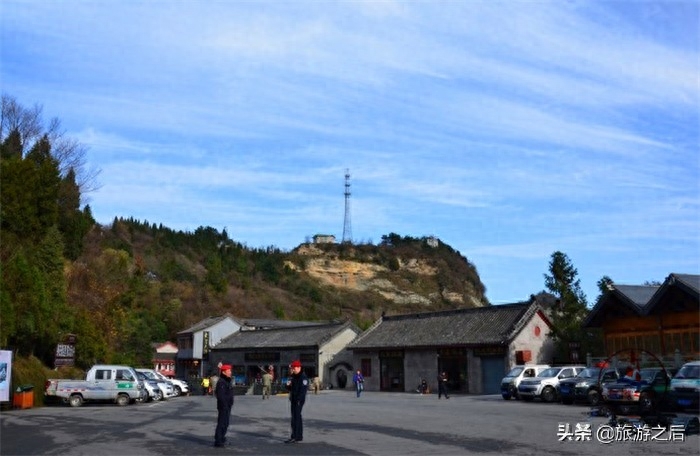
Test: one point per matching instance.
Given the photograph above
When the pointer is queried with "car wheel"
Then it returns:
(593, 397)
(646, 402)
(514, 392)
(75, 400)
(548, 394)
(123, 400)
(626, 409)
(158, 396)
(178, 391)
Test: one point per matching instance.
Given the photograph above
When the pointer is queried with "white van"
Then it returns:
(510, 383)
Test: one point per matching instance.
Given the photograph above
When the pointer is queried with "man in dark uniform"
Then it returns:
(224, 404)
(442, 385)
(297, 384)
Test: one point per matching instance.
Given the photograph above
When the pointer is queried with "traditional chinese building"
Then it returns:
(662, 320)
(277, 343)
(164, 358)
(475, 347)
(194, 344)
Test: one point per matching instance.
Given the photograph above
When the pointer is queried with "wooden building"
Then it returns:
(662, 320)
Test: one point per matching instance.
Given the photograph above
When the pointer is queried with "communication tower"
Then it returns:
(347, 228)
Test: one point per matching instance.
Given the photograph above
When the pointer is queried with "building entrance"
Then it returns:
(454, 363)
(392, 374)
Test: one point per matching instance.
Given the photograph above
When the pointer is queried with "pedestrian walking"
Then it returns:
(359, 382)
(205, 386)
(224, 405)
(442, 385)
(297, 385)
(316, 384)
(266, 384)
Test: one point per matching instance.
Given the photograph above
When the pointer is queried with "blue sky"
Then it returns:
(510, 130)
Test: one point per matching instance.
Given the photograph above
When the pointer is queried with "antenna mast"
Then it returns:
(347, 229)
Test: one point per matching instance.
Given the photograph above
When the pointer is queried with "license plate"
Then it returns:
(615, 396)
(684, 402)
(565, 389)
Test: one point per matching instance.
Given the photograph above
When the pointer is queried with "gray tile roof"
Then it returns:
(619, 300)
(206, 323)
(691, 281)
(268, 323)
(279, 338)
(637, 299)
(462, 327)
(636, 295)
(685, 283)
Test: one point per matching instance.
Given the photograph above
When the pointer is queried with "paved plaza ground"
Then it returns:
(335, 423)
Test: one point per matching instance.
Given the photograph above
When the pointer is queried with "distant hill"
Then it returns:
(205, 273)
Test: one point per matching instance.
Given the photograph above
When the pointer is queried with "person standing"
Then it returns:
(442, 385)
(224, 404)
(206, 389)
(359, 382)
(298, 385)
(266, 384)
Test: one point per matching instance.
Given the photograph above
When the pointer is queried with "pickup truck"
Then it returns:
(103, 383)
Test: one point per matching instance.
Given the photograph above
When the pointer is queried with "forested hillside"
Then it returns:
(120, 287)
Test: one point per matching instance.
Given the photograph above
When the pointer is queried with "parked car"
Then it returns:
(685, 387)
(165, 385)
(545, 385)
(643, 392)
(180, 386)
(585, 387)
(510, 383)
(155, 393)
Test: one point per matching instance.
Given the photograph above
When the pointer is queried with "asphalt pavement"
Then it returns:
(335, 423)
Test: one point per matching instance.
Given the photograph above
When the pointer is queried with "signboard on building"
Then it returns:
(205, 345)
(65, 352)
(261, 356)
(391, 353)
(490, 351)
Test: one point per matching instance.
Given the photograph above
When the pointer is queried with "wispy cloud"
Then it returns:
(509, 129)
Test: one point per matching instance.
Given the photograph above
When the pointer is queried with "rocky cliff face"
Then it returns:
(412, 281)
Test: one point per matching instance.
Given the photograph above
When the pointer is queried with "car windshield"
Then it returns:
(648, 375)
(514, 372)
(589, 372)
(551, 372)
(149, 374)
(692, 371)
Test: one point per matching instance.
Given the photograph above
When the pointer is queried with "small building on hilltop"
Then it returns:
(324, 239)
(475, 347)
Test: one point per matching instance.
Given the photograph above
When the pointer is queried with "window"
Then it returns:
(566, 373)
(103, 374)
(366, 367)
